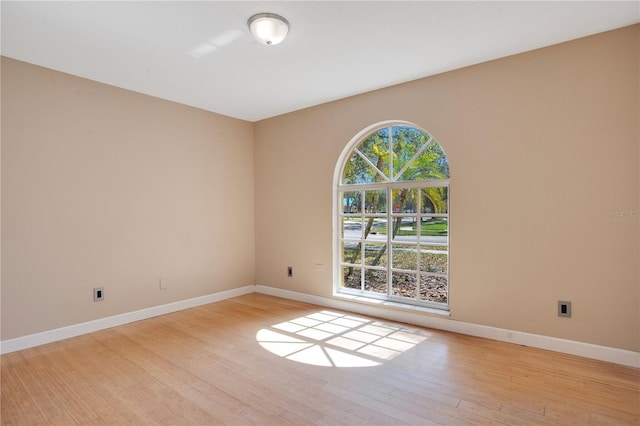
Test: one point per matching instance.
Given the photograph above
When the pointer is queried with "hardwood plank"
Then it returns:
(205, 366)
(21, 407)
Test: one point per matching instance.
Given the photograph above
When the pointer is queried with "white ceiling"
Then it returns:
(202, 54)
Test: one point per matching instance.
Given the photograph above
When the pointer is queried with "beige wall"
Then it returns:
(541, 145)
(102, 187)
(105, 187)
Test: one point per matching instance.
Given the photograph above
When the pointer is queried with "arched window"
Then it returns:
(392, 216)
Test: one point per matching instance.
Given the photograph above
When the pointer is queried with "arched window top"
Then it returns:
(395, 153)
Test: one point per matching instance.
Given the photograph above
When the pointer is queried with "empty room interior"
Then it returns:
(320, 213)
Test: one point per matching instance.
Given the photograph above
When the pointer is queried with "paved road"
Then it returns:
(355, 232)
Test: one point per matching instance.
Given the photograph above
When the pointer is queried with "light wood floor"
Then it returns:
(245, 361)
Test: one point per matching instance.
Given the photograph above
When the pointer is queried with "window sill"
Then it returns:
(393, 305)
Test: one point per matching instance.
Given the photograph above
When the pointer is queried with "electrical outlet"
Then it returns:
(290, 271)
(564, 309)
(163, 284)
(98, 294)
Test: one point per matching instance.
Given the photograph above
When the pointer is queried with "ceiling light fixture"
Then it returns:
(268, 28)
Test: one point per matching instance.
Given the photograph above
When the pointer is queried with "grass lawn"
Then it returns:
(434, 227)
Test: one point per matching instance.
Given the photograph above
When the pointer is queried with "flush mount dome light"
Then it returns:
(268, 28)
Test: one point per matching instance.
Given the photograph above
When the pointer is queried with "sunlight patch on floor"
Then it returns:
(332, 339)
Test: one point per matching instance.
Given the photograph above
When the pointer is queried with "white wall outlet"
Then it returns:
(98, 294)
(564, 309)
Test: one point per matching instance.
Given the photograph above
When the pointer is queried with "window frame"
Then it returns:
(339, 215)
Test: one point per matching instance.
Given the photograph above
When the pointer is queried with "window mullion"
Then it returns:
(391, 154)
(389, 239)
(415, 156)
(418, 242)
(410, 184)
(364, 157)
(362, 238)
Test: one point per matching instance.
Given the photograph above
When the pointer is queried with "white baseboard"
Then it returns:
(588, 350)
(29, 341)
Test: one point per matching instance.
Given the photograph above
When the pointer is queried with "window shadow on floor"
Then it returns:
(334, 339)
